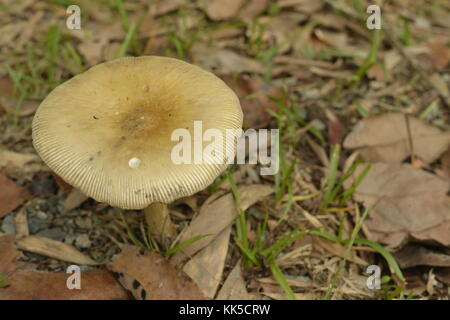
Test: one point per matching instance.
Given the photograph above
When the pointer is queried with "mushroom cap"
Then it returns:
(108, 130)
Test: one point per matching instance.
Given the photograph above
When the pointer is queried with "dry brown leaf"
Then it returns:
(166, 6)
(157, 277)
(23, 163)
(405, 201)
(440, 85)
(385, 138)
(253, 8)
(40, 285)
(223, 61)
(445, 163)
(234, 286)
(439, 51)
(9, 253)
(223, 10)
(206, 267)
(27, 107)
(413, 255)
(74, 199)
(283, 30)
(11, 195)
(215, 215)
(53, 249)
(24, 282)
(21, 223)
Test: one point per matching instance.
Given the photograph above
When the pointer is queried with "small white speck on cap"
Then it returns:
(134, 163)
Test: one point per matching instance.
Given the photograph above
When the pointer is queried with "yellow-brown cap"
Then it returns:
(108, 130)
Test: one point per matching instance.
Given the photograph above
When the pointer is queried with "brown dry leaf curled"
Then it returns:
(53, 249)
(157, 277)
(415, 255)
(11, 195)
(234, 286)
(206, 267)
(405, 201)
(385, 139)
(223, 10)
(41, 285)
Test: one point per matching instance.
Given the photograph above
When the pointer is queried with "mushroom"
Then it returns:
(108, 131)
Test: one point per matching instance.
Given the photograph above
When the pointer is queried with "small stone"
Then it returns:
(35, 224)
(54, 233)
(44, 187)
(82, 241)
(8, 224)
(83, 223)
(41, 215)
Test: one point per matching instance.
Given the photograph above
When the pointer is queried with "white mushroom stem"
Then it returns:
(158, 220)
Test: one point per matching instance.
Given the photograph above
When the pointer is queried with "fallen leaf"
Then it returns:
(413, 255)
(40, 285)
(223, 10)
(26, 108)
(440, 85)
(234, 286)
(385, 138)
(206, 267)
(445, 163)
(27, 283)
(224, 61)
(53, 249)
(254, 107)
(21, 223)
(253, 8)
(156, 277)
(9, 253)
(439, 51)
(23, 165)
(404, 201)
(335, 129)
(11, 195)
(215, 215)
(74, 200)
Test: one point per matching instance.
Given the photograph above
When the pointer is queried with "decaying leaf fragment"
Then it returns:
(385, 138)
(405, 201)
(152, 277)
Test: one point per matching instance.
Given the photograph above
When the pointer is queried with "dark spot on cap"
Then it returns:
(143, 294)
(95, 117)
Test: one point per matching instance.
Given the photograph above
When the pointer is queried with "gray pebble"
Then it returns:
(36, 224)
(8, 224)
(54, 233)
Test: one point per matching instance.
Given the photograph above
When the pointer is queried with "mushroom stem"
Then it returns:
(158, 220)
